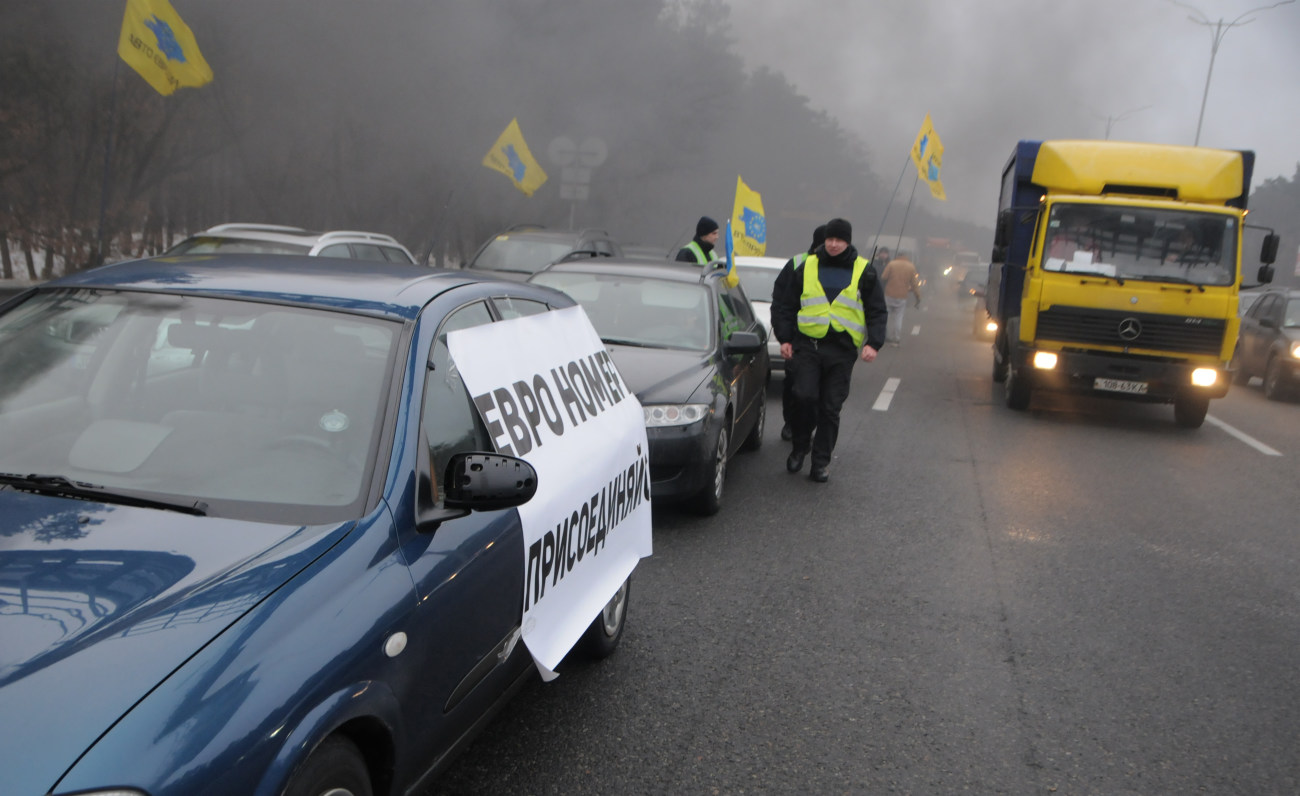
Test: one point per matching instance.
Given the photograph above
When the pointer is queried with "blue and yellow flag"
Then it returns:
(750, 223)
(732, 277)
(510, 156)
(156, 43)
(927, 154)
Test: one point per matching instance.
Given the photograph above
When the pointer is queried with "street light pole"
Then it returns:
(1110, 120)
(1220, 30)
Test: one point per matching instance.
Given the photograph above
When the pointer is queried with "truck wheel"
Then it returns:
(1017, 388)
(1190, 410)
(1240, 376)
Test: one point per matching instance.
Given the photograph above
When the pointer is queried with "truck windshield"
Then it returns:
(1179, 246)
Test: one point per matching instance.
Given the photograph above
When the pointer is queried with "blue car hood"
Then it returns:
(662, 376)
(99, 603)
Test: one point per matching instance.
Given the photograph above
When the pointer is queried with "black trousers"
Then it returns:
(822, 370)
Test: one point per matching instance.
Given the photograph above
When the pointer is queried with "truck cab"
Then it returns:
(1116, 271)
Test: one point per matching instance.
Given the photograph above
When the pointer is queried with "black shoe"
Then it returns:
(820, 474)
(795, 463)
(787, 433)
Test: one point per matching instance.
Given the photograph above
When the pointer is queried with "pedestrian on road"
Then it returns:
(900, 278)
(880, 259)
(831, 313)
(782, 283)
(700, 249)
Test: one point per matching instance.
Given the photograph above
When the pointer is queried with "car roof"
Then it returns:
(393, 290)
(764, 262)
(668, 270)
(547, 233)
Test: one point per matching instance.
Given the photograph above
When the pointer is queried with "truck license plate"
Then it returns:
(1120, 385)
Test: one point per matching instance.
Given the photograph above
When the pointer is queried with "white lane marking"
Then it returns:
(886, 395)
(916, 330)
(1243, 436)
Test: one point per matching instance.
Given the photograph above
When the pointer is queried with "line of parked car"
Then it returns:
(248, 540)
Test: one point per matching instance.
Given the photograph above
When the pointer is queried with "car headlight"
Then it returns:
(659, 415)
(1295, 350)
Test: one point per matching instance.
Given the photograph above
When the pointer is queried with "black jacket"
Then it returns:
(788, 290)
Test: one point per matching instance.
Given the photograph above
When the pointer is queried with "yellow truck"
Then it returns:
(1116, 269)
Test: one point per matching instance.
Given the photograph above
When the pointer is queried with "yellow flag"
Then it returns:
(927, 155)
(156, 43)
(510, 156)
(749, 225)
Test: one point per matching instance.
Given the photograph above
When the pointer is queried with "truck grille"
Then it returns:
(1132, 329)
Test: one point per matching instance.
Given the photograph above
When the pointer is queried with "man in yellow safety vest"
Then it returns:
(830, 313)
(700, 249)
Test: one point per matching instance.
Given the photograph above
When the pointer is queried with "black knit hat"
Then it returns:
(839, 228)
(704, 226)
(819, 237)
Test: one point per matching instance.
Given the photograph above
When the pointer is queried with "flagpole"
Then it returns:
(888, 207)
(907, 210)
(108, 154)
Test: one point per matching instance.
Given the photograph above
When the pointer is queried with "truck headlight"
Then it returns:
(1205, 377)
(1044, 360)
(658, 415)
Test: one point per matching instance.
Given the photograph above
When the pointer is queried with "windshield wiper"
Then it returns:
(633, 343)
(1118, 279)
(1179, 280)
(62, 485)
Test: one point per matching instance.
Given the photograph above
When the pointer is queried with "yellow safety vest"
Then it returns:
(817, 315)
(700, 256)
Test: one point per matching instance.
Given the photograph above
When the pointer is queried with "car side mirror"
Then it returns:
(480, 481)
(1268, 251)
(743, 343)
(1265, 274)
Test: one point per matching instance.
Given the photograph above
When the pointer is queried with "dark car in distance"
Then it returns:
(1268, 344)
(694, 353)
(525, 249)
(249, 541)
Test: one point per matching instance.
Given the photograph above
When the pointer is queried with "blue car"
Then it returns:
(253, 536)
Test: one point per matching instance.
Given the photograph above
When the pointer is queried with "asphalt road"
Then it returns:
(1081, 598)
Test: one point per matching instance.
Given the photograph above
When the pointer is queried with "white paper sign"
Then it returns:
(550, 394)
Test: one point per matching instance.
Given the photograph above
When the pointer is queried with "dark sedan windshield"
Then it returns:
(637, 311)
(252, 408)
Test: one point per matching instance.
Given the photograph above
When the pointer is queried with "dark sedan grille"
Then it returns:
(1132, 329)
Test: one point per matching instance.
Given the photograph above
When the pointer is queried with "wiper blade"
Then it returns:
(1118, 279)
(633, 343)
(54, 484)
(1179, 280)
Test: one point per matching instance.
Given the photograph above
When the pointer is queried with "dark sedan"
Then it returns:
(691, 348)
(1269, 344)
(254, 538)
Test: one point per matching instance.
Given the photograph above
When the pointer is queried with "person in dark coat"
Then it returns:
(782, 283)
(700, 249)
(829, 314)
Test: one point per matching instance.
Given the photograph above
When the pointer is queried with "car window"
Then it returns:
(368, 251)
(758, 281)
(263, 411)
(1292, 318)
(729, 318)
(395, 255)
(201, 244)
(1262, 308)
(630, 310)
(451, 423)
(336, 250)
(508, 253)
(515, 307)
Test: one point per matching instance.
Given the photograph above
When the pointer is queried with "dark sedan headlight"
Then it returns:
(660, 415)
(1295, 350)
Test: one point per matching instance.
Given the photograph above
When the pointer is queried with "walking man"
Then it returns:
(900, 278)
(700, 249)
(782, 283)
(829, 314)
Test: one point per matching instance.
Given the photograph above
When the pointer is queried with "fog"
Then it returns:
(991, 73)
(334, 114)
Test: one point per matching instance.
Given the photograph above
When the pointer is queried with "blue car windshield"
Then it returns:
(262, 411)
(631, 310)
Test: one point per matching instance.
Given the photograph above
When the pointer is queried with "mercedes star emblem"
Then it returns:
(1130, 329)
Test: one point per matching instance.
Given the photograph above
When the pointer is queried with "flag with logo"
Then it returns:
(156, 43)
(510, 156)
(927, 154)
(750, 224)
